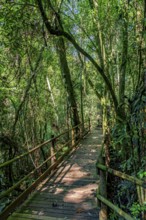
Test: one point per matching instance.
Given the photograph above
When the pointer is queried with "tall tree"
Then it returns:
(59, 31)
(67, 78)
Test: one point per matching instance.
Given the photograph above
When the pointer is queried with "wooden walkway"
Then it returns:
(71, 193)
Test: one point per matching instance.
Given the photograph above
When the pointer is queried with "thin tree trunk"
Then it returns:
(124, 61)
(34, 73)
(52, 98)
(82, 107)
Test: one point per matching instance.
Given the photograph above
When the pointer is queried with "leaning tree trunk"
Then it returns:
(67, 78)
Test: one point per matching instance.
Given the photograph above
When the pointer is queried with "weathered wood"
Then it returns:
(107, 146)
(20, 216)
(52, 150)
(103, 192)
(122, 175)
(47, 203)
(141, 186)
(74, 192)
(115, 208)
(21, 197)
(5, 193)
(73, 136)
(23, 155)
(89, 124)
(141, 192)
(36, 148)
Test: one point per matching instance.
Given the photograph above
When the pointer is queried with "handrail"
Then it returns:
(123, 176)
(3, 194)
(114, 207)
(53, 165)
(36, 148)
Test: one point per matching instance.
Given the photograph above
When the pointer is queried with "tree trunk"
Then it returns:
(124, 60)
(82, 106)
(67, 78)
(52, 98)
(59, 31)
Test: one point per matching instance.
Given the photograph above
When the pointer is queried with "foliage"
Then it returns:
(136, 210)
(104, 43)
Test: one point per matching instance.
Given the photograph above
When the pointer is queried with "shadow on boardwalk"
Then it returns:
(71, 193)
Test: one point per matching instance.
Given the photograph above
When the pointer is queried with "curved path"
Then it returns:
(71, 193)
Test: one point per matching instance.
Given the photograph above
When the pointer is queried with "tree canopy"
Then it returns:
(63, 61)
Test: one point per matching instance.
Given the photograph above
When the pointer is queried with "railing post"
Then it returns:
(73, 136)
(52, 150)
(142, 198)
(89, 125)
(102, 192)
(81, 132)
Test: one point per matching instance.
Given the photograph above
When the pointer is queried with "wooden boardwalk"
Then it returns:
(71, 193)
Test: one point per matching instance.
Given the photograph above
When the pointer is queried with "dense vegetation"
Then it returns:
(63, 61)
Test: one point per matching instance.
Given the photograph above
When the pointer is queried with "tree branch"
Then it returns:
(60, 32)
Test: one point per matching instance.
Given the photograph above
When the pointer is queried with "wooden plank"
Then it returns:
(76, 183)
(61, 179)
(73, 200)
(62, 213)
(48, 203)
(23, 196)
(60, 204)
(70, 181)
(38, 200)
(22, 216)
(74, 193)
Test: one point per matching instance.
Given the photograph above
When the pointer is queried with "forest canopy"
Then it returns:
(64, 61)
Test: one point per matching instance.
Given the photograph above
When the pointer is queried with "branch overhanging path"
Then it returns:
(60, 32)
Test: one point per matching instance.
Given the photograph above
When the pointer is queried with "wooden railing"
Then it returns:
(102, 194)
(76, 133)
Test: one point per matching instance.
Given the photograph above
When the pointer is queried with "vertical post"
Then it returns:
(89, 125)
(144, 189)
(73, 136)
(142, 198)
(107, 146)
(81, 131)
(52, 150)
(103, 192)
(144, 31)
